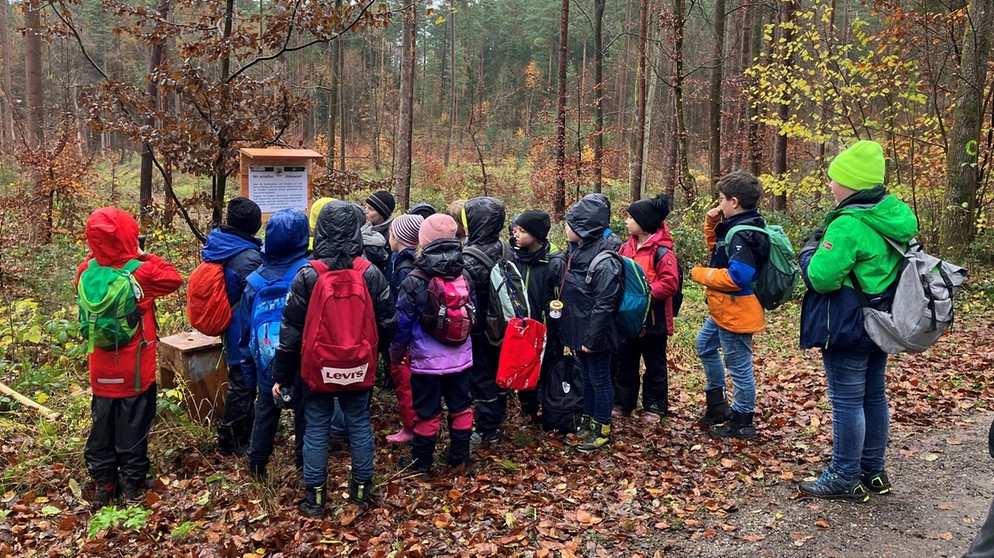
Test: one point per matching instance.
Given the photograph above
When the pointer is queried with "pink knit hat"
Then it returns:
(406, 227)
(436, 227)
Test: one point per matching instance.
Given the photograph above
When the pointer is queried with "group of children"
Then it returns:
(426, 264)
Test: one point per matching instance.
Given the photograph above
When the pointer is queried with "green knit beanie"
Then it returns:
(860, 167)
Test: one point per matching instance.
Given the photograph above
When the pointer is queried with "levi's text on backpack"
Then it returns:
(778, 277)
(340, 326)
(108, 305)
(267, 312)
(507, 294)
(562, 396)
(922, 307)
(449, 315)
(635, 297)
(207, 304)
(678, 297)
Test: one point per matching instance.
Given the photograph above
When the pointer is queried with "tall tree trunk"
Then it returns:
(787, 9)
(405, 133)
(559, 204)
(639, 150)
(7, 115)
(686, 180)
(962, 170)
(622, 89)
(598, 95)
(332, 105)
(220, 178)
(341, 102)
(34, 85)
(452, 83)
(152, 90)
(714, 97)
(755, 48)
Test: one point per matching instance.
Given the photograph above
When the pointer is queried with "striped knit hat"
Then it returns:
(406, 227)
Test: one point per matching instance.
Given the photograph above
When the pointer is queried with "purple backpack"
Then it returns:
(449, 314)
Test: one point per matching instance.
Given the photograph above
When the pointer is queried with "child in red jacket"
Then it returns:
(123, 378)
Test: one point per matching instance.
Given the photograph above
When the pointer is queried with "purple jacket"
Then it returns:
(441, 258)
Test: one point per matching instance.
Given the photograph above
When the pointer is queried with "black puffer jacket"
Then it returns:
(543, 272)
(337, 242)
(485, 221)
(588, 309)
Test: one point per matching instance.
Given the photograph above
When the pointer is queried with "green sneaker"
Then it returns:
(877, 482)
(830, 486)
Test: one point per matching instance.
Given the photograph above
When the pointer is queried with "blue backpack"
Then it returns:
(267, 312)
(634, 307)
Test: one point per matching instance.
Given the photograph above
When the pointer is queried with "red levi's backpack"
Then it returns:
(207, 304)
(449, 314)
(340, 329)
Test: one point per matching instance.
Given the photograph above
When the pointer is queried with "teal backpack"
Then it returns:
(108, 299)
(635, 297)
(777, 279)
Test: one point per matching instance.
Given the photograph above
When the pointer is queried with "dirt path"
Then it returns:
(943, 485)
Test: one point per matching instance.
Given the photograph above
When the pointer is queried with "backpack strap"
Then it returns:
(420, 274)
(255, 280)
(736, 230)
(360, 264)
(660, 252)
(600, 257)
(479, 255)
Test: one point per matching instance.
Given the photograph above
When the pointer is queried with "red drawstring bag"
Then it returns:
(521, 354)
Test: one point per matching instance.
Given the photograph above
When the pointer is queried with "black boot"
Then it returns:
(739, 427)
(313, 503)
(458, 453)
(718, 410)
(359, 492)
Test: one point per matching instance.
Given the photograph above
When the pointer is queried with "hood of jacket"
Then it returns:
(880, 211)
(590, 216)
(287, 237)
(484, 220)
(112, 236)
(441, 258)
(224, 243)
(337, 235)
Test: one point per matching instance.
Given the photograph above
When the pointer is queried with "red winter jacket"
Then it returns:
(663, 275)
(112, 236)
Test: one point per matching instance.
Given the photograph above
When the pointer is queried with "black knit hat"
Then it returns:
(425, 210)
(382, 202)
(650, 214)
(535, 223)
(244, 215)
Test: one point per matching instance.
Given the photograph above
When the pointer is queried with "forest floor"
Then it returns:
(661, 490)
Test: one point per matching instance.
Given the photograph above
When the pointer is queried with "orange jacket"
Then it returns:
(732, 309)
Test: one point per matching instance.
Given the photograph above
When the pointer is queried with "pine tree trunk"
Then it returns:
(638, 151)
(962, 170)
(7, 116)
(559, 204)
(714, 97)
(406, 126)
(598, 95)
(452, 85)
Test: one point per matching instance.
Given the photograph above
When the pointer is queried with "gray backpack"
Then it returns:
(922, 308)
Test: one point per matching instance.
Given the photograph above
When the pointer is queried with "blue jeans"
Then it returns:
(857, 387)
(598, 390)
(737, 350)
(318, 411)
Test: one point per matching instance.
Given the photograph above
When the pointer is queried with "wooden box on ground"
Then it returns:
(199, 359)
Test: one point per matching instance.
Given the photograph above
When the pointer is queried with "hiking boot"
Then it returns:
(478, 438)
(313, 503)
(257, 471)
(104, 493)
(134, 491)
(718, 410)
(830, 486)
(583, 425)
(877, 482)
(402, 436)
(597, 437)
(417, 466)
(739, 427)
(359, 492)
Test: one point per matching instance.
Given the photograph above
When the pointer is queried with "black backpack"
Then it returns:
(678, 297)
(562, 396)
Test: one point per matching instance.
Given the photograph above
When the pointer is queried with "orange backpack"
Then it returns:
(207, 304)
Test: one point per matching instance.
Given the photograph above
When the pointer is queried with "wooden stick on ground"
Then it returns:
(50, 414)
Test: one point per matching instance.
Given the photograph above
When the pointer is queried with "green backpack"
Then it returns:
(776, 281)
(108, 299)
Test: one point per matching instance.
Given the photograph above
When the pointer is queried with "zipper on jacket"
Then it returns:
(828, 323)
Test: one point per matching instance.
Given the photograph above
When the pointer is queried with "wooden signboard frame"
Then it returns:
(272, 177)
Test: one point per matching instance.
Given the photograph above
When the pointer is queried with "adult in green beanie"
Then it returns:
(851, 245)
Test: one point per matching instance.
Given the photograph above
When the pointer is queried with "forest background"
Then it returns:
(145, 104)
